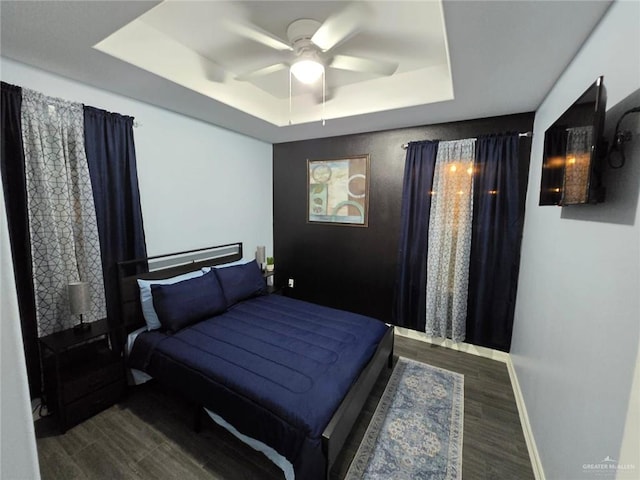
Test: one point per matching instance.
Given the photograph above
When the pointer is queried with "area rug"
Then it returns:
(416, 431)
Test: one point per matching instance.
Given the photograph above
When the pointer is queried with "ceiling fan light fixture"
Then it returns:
(307, 71)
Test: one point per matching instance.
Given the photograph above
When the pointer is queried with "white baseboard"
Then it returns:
(499, 356)
(460, 346)
(536, 464)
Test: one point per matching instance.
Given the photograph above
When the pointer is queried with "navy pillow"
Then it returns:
(241, 281)
(181, 304)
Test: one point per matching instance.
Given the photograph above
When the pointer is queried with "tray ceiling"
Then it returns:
(196, 45)
(456, 59)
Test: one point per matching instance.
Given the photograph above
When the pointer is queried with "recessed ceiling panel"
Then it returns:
(206, 46)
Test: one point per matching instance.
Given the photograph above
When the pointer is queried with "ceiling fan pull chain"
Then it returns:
(323, 96)
(289, 96)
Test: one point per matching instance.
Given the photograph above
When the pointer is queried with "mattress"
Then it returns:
(275, 368)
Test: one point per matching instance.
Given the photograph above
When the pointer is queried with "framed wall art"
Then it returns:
(338, 191)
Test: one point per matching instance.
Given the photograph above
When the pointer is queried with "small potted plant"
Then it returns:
(270, 264)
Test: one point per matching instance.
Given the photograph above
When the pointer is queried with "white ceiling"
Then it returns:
(196, 45)
(503, 57)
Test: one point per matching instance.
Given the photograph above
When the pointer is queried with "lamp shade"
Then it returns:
(79, 301)
(307, 71)
(261, 255)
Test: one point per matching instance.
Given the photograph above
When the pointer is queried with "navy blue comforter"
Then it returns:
(274, 367)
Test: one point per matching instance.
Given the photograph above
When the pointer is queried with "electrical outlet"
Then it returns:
(291, 283)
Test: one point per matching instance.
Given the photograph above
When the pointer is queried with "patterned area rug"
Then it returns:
(416, 431)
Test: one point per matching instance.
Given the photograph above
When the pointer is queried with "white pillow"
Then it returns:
(146, 299)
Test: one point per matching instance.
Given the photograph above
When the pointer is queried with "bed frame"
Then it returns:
(164, 266)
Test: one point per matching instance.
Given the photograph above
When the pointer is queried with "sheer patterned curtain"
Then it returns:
(62, 220)
(450, 240)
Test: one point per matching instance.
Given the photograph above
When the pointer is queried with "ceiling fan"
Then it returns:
(310, 43)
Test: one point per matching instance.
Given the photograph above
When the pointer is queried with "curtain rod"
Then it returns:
(522, 134)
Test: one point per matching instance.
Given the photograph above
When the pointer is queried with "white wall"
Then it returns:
(576, 329)
(200, 185)
(18, 455)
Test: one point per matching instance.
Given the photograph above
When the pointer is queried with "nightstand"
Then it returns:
(273, 288)
(83, 375)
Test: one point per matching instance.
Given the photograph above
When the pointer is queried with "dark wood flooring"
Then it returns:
(148, 435)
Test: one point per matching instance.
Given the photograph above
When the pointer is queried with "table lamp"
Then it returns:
(79, 303)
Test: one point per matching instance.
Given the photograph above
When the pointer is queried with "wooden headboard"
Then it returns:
(165, 266)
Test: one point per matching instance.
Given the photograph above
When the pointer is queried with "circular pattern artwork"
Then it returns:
(357, 185)
(321, 173)
(338, 190)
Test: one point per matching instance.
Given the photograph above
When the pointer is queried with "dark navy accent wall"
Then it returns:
(354, 268)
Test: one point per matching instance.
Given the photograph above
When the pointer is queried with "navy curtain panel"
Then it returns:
(409, 308)
(112, 166)
(495, 243)
(15, 196)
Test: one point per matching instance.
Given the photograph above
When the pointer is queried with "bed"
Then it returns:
(288, 374)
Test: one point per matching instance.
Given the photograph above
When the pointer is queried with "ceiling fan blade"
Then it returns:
(261, 72)
(342, 25)
(359, 64)
(255, 33)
